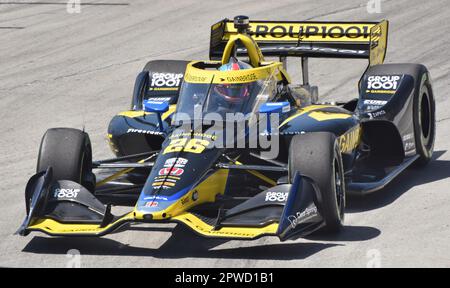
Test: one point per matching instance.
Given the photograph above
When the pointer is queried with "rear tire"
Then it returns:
(424, 120)
(317, 155)
(68, 151)
(140, 90)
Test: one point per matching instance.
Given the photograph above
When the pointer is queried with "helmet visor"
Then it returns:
(233, 93)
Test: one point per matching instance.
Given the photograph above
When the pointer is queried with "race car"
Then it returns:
(169, 168)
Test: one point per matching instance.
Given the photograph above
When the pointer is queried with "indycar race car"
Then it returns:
(170, 168)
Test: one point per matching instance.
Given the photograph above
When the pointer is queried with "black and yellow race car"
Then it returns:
(169, 169)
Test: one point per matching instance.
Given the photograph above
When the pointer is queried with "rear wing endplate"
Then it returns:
(358, 40)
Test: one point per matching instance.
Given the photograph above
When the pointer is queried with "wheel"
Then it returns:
(424, 120)
(68, 151)
(317, 155)
(140, 90)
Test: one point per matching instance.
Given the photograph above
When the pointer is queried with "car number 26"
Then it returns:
(187, 145)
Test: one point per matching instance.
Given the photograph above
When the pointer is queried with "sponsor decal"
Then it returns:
(165, 81)
(293, 133)
(195, 78)
(165, 182)
(409, 146)
(66, 193)
(375, 102)
(171, 171)
(167, 178)
(304, 216)
(244, 78)
(156, 102)
(309, 49)
(142, 131)
(196, 134)
(152, 198)
(373, 115)
(371, 105)
(407, 137)
(373, 108)
(276, 196)
(163, 185)
(350, 140)
(383, 84)
(160, 99)
(185, 200)
(151, 204)
(334, 31)
(176, 162)
(408, 140)
(311, 31)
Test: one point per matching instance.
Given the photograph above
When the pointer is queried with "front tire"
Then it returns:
(68, 151)
(317, 155)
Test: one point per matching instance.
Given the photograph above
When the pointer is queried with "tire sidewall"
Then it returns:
(424, 150)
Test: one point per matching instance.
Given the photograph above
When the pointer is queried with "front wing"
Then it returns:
(299, 215)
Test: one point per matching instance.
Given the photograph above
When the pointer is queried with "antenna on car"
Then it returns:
(242, 24)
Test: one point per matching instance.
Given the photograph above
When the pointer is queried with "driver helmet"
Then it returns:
(233, 93)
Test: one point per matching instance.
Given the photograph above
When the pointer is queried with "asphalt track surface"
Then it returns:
(74, 70)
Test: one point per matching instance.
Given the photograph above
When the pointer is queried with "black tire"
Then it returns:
(317, 155)
(424, 120)
(140, 90)
(68, 151)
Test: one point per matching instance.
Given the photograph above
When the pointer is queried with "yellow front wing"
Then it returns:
(55, 228)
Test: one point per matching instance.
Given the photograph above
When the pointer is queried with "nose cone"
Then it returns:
(159, 203)
(177, 170)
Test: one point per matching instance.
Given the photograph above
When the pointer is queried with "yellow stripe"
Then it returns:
(381, 91)
(323, 116)
(202, 76)
(53, 227)
(134, 114)
(163, 183)
(166, 177)
(303, 111)
(227, 232)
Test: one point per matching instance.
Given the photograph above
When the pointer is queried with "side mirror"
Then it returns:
(158, 107)
(274, 107)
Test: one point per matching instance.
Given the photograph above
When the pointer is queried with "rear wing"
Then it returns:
(358, 40)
